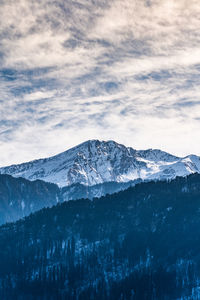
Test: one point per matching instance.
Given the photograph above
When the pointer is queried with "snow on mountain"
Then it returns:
(94, 162)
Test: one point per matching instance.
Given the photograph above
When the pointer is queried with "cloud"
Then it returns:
(74, 70)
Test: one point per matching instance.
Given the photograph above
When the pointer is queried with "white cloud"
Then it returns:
(123, 70)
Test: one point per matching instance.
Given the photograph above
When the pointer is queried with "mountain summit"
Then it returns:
(94, 162)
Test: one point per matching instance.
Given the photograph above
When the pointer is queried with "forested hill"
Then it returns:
(19, 197)
(142, 243)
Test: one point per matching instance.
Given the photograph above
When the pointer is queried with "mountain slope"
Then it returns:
(95, 162)
(80, 191)
(20, 197)
(142, 243)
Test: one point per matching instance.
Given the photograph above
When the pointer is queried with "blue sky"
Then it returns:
(77, 70)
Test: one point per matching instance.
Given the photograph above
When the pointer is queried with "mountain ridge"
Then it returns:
(94, 162)
(20, 197)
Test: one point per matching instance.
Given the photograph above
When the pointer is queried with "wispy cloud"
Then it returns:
(74, 70)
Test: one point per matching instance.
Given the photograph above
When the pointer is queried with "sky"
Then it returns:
(123, 70)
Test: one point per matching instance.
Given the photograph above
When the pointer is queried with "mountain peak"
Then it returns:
(95, 162)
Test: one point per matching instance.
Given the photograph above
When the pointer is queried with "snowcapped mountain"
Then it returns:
(95, 162)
